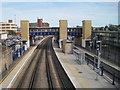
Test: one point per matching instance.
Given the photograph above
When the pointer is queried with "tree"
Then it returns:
(96, 29)
(101, 28)
(11, 32)
(77, 26)
(92, 27)
(106, 27)
(112, 28)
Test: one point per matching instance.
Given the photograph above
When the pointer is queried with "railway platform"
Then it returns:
(104, 60)
(11, 76)
(9, 79)
(82, 76)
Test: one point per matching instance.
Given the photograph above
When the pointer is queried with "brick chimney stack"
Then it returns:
(39, 22)
(10, 21)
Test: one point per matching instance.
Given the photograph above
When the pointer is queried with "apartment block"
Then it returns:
(6, 26)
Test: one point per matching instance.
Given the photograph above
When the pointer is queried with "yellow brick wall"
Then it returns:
(67, 47)
(86, 29)
(63, 29)
(24, 29)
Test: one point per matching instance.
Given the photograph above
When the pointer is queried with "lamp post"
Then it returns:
(91, 45)
(7, 66)
(99, 44)
(19, 48)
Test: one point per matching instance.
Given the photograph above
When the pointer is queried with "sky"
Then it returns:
(101, 13)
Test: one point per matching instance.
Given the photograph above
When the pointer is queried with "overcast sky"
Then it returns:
(101, 13)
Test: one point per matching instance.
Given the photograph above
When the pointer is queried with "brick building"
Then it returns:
(39, 23)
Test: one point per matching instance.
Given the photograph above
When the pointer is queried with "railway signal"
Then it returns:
(91, 44)
(98, 45)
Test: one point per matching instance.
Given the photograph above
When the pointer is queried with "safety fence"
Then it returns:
(80, 56)
(113, 73)
(105, 69)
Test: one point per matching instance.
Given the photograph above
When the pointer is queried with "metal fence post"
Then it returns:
(101, 70)
(87, 61)
(113, 83)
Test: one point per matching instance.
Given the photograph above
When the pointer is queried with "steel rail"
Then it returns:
(48, 71)
(53, 69)
(32, 82)
(24, 75)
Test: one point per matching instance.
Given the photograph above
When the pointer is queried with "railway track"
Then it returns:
(44, 70)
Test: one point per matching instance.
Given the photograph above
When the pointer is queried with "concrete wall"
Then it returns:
(6, 60)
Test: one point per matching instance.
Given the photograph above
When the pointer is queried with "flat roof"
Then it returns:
(51, 27)
(94, 31)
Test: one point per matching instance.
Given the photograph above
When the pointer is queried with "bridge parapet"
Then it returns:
(55, 31)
